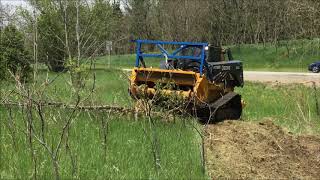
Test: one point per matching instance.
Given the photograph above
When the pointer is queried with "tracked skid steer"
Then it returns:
(197, 73)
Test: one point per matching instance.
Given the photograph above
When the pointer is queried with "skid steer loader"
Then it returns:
(197, 72)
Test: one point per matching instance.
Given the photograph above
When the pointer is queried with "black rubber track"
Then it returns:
(230, 111)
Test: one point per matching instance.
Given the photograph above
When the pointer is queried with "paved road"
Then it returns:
(279, 77)
(282, 77)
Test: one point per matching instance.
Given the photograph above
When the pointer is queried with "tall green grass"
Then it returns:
(127, 151)
(122, 149)
(291, 106)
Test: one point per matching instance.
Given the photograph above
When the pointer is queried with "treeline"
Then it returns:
(61, 32)
(225, 21)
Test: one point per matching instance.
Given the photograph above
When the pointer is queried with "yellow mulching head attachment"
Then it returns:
(148, 81)
(186, 84)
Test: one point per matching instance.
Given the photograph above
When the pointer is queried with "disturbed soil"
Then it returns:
(247, 150)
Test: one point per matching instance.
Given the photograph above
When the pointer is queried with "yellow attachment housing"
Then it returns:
(186, 84)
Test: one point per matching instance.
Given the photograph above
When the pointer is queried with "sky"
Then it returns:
(22, 3)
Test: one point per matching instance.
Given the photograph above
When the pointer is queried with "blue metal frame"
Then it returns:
(164, 52)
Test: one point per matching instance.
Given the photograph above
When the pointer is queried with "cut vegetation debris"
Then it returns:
(246, 150)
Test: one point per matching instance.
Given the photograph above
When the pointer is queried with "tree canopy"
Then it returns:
(65, 28)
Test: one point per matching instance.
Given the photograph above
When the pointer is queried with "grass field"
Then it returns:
(119, 149)
(294, 55)
(122, 148)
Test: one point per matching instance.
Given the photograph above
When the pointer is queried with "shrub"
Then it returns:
(13, 56)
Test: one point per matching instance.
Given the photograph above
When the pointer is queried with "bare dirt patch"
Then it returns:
(237, 149)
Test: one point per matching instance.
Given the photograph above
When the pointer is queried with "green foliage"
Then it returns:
(139, 11)
(224, 22)
(57, 30)
(13, 58)
(51, 34)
